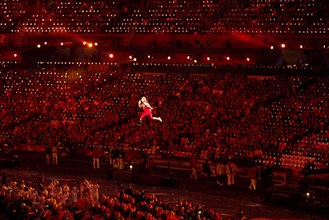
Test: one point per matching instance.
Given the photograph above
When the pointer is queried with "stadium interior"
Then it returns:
(238, 81)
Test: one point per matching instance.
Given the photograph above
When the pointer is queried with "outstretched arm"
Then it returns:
(147, 105)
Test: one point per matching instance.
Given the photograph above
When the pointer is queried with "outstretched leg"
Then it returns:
(157, 118)
(154, 118)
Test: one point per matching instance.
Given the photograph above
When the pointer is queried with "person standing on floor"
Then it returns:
(194, 165)
(253, 178)
(234, 171)
(54, 153)
(48, 154)
(228, 173)
(220, 172)
(97, 153)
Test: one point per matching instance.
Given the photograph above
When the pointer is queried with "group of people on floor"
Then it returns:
(222, 172)
(56, 200)
(225, 173)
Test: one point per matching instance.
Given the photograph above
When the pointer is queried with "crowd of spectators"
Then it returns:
(55, 200)
(12, 14)
(226, 116)
(175, 16)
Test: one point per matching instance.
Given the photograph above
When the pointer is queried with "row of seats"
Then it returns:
(216, 16)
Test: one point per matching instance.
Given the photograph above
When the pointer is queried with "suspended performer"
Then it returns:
(147, 110)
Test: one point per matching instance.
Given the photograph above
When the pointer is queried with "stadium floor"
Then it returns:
(226, 199)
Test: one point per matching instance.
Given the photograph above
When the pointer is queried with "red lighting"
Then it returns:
(272, 47)
(169, 57)
(283, 45)
(15, 54)
(111, 55)
(301, 46)
(90, 45)
(228, 58)
(62, 43)
(248, 59)
(96, 44)
(84, 43)
(208, 58)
